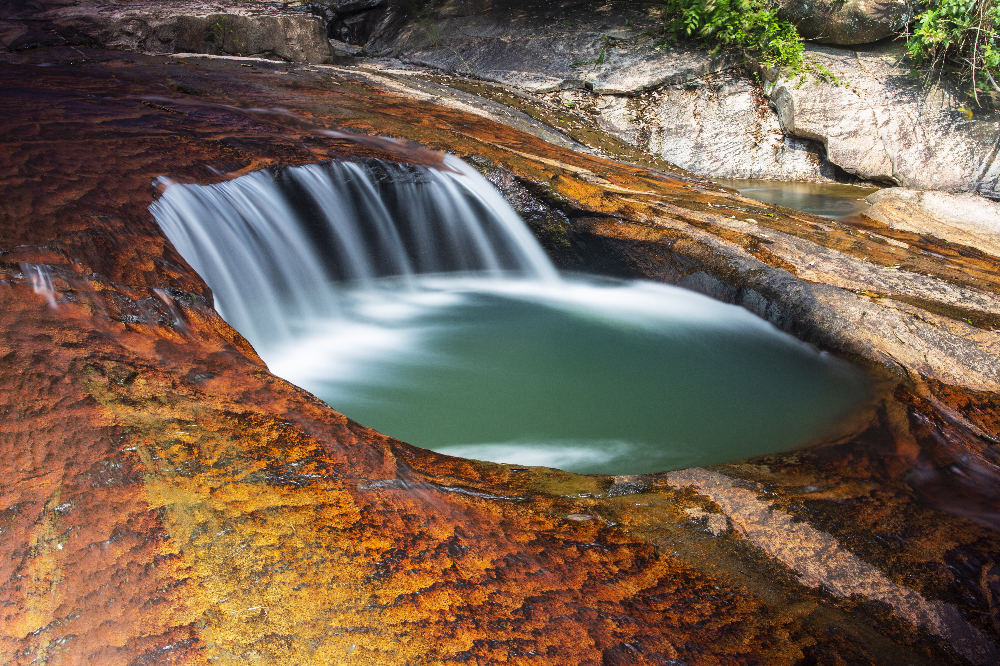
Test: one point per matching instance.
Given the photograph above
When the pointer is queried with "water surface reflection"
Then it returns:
(834, 200)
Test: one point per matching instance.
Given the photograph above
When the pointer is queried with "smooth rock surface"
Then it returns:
(554, 46)
(721, 127)
(167, 500)
(847, 22)
(879, 124)
(968, 218)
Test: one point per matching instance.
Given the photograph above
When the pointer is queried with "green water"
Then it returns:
(826, 199)
(615, 378)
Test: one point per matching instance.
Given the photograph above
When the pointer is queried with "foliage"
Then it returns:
(965, 33)
(747, 24)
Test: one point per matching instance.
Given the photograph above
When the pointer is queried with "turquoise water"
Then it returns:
(416, 301)
(614, 378)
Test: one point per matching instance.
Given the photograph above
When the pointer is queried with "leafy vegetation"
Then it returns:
(957, 33)
(747, 24)
(965, 33)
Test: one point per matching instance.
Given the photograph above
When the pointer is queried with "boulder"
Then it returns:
(880, 124)
(294, 38)
(847, 22)
(229, 27)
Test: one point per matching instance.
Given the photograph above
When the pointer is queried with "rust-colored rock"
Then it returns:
(165, 499)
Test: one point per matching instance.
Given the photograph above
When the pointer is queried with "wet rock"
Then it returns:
(166, 498)
(715, 523)
(958, 218)
(823, 562)
(850, 22)
(879, 124)
(627, 485)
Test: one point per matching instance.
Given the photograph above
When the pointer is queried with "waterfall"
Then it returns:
(415, 301)
(274, 245)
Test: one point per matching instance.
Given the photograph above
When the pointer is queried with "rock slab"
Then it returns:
(881, 125)
(610, 48)
(965, 218)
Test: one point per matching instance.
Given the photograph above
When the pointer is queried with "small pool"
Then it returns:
(833, 200)
(587, 376)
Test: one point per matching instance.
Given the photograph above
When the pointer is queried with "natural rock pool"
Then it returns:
(613, 378)
(169, 499)
(834, 200)
(415, 301)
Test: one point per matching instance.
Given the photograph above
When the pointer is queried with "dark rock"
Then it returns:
(297, 38)
(339, 48)
(847, 21)
(357, 28)
(34, 40)
(342, 7)
(228, 27)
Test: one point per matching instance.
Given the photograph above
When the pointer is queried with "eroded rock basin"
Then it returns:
(415, 301)
(166, 498)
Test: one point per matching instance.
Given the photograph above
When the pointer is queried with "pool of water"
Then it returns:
(338, 274)
(833, 200)
(583, 375)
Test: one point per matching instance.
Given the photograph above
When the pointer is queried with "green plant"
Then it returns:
(964, 33)
(747, 24)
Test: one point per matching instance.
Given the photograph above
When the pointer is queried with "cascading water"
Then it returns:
(416, 301)
(272, 245)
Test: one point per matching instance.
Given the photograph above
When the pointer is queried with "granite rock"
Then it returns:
(720, 127)
(610, 48)
(879, 124)
(167, 500)
(966, 218)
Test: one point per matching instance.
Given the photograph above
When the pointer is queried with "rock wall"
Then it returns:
(869, 119)
(878, 123)
(226, 28)
(720, 127)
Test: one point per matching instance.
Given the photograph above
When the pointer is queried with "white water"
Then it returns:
(271, 245)
(417, 302)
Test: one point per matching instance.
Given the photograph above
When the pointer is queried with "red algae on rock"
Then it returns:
(167, 500)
